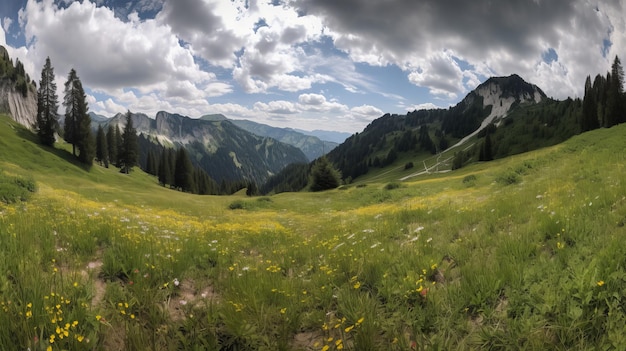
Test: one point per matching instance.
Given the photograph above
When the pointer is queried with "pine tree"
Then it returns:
(183, 172)
(324, 176)
(119, 145)
(77, 129)
(111, 145)
(47, 105)
(165, 171)
(102, 150)
(72, 110)
(589, 120)
(129, 154)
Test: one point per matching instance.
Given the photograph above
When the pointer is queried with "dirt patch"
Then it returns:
(308, 340)
(189, 296)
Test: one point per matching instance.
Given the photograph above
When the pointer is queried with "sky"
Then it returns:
(309, 64)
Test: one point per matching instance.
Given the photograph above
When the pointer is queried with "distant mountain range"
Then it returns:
(224, 150)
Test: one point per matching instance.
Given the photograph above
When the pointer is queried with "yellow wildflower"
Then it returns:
(600, 282)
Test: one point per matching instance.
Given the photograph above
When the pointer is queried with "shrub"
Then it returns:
(237, 205)
(408, 165)
(392, 186)
(13, 189)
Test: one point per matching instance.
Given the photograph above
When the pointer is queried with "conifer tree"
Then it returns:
(614, 103)
(102, 150)
(165, 171)
(77, 129)
(589, 120)
(183, 172)
(111, 145)
(324, 176)
(47, 105)
(129, 154)
(119, 146)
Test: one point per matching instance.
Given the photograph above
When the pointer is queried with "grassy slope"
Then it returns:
(520, 253)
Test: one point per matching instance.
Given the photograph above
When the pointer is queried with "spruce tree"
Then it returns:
(589, 120)
(324, 176)
(165, 171)
(102, 149)
(183, 172)
(111, 145)
(129, 154)
(47, 105)
(119, 146)
(72, 110)
(77, 130)
(615, 105)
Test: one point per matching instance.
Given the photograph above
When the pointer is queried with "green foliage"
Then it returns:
(391, 186)
(77, 125)
(183, 171)
(47, 106)
(16, 188)
(324, 176)
(429, 265)
(129, 148)
(102, 148)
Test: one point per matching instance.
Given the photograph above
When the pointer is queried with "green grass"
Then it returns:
(519, 253)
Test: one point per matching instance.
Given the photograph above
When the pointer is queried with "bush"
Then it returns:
(237, 205)
(392, 186)
(14, 189)
(508, 178)
(469, 178)
(408, 165)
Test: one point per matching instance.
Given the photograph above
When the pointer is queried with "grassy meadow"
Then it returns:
(522, 253)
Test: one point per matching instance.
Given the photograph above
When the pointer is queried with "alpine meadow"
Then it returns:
(495, 223)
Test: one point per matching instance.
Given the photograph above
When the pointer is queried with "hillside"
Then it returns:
(456, 135)
(223, 150)
(312, 146)
(18, 94)
(522, 252)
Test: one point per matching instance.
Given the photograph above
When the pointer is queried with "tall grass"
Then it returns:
(99, 260)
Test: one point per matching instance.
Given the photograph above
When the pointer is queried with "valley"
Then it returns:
(521, 252)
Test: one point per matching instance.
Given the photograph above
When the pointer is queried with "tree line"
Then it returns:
(117, 147)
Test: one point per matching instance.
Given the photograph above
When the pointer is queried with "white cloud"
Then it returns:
(367, 110)
(441, 74)
(279, 107)
(3, 39)
(6, 24)
(492, 38)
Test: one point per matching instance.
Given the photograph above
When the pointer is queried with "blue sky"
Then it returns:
(309, 64)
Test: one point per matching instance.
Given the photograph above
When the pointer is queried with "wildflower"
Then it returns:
(98, 317)
(325, 348)
(76, 284)
(49, 348)
(600, 282)
(360, 320)
(80, 338)
(176, 282)
(356, 285)
(348, 329)
(283, 310)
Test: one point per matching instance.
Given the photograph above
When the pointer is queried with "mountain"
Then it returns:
(327, 135)
(223, 150)
(312, 146)
(18, 94)
(427, 132)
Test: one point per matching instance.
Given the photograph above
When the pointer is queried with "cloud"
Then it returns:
(210, 27)
(441, 74)
(6, 24)
(367, 110)
(277, 107)
(3, 39)
(493, 38)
